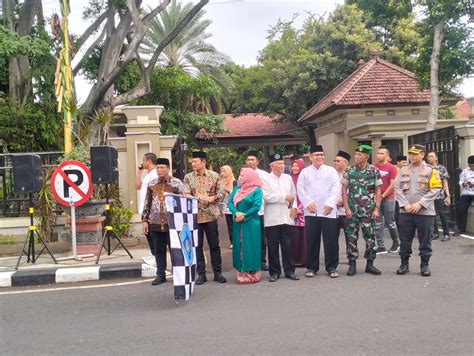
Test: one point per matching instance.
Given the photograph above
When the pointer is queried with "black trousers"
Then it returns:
(160, 240)
(212, 235)
(397, 214)
(422, 224)
(263, 235)
(342, 223)
(329, 228)
(464, 203)
(229, 220)
(151, 243)
(280, 236)
(441, 212)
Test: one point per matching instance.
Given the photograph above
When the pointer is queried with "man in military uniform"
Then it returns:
(154, 219)
(361, 196)
(416, 187)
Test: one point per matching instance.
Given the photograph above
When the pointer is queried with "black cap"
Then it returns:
(316, 148)
(401, 158)
(253, 154)
(344, 155)
(470, 159)
(200, 154)
(164, 161)
(276, 157)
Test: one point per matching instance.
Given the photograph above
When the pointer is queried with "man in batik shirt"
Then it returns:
(206, 185)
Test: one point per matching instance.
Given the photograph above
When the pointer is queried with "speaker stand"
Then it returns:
(109, 232)
(30, 240)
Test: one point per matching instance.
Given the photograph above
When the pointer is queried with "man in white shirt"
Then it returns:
(279, 194)
(252, 161)
(141, 183)
(319, 188)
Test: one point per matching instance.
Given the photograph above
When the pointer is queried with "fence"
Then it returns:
(15, 204)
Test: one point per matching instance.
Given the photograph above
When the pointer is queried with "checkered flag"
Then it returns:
(182, 220)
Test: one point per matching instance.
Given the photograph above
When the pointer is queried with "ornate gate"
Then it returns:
(445, 143)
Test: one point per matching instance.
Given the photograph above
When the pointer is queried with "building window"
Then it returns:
(390, 112)
(369, 113)
(415, 111)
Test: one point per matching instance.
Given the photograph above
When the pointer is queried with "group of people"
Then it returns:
(271, 211)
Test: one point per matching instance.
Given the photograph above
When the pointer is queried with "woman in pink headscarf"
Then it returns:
(298, 244)
(244, 203)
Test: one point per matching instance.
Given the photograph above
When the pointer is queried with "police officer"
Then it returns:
(416, 187)
(361, 196)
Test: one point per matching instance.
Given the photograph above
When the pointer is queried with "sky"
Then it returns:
(239, 27)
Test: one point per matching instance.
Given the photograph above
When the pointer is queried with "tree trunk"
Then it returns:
(19, 81)
(434, 68)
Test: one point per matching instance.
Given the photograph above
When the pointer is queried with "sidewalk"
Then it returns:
(45, 271)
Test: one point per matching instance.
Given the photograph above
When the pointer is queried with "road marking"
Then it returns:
(75, 287)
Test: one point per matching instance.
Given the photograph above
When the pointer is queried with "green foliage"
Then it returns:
(79, 153)
(297, 68)
(12, 45)
(190, 125)
(29, 128)
(47, 203)
(456, 60)
(120, 220)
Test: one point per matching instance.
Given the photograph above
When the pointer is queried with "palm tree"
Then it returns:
(189, 50)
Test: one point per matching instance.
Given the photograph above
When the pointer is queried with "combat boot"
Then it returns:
(424, 268)
(352, 267)
(403, 266)
(370, 268)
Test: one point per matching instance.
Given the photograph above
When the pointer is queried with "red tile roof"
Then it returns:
(247, 125)
(376, 82)
(463, 109)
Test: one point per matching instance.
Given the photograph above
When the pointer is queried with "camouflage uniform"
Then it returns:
(361, 183)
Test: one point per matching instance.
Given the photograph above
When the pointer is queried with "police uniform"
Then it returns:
(361, 184)
(416, 184)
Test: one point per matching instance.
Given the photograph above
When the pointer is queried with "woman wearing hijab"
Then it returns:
(244, 203)
(229, 183)
(298, 244)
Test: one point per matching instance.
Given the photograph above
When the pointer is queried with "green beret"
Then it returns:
(364, 149)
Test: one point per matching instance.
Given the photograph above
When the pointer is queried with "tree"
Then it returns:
(123, 27)
(297, 68)
(449, 41)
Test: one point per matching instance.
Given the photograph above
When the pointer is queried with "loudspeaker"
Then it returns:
(104, 164)
(27, 173)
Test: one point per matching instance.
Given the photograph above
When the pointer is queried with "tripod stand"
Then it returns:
(30, 240)
(109, 232)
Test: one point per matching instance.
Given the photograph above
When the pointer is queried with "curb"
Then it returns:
(55, 275)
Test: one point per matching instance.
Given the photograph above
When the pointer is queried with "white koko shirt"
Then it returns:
(142, 195)
(277, 209)
(262, 174)
(320, 186)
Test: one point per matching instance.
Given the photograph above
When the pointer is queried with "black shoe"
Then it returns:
(404, 267)
(381, 250)
(158, 280)
(370, 268)
(435, 237)
(424, 269)
(219, 278)
(293, 277)
(446, 238)
(264, 267)
(352, 268)
(394, 249)
(201, 279)
(273, 278)
(458, 232)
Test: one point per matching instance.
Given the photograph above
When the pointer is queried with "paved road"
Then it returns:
(364, 314)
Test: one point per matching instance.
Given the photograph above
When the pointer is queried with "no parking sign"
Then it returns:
(71, 183)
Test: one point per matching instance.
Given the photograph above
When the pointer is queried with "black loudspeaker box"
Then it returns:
(27, 173)
(104, 164)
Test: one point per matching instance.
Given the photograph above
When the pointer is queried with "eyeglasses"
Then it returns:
(317, 154)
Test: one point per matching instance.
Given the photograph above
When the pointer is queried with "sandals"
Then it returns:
(333, 274)
(309, 274)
